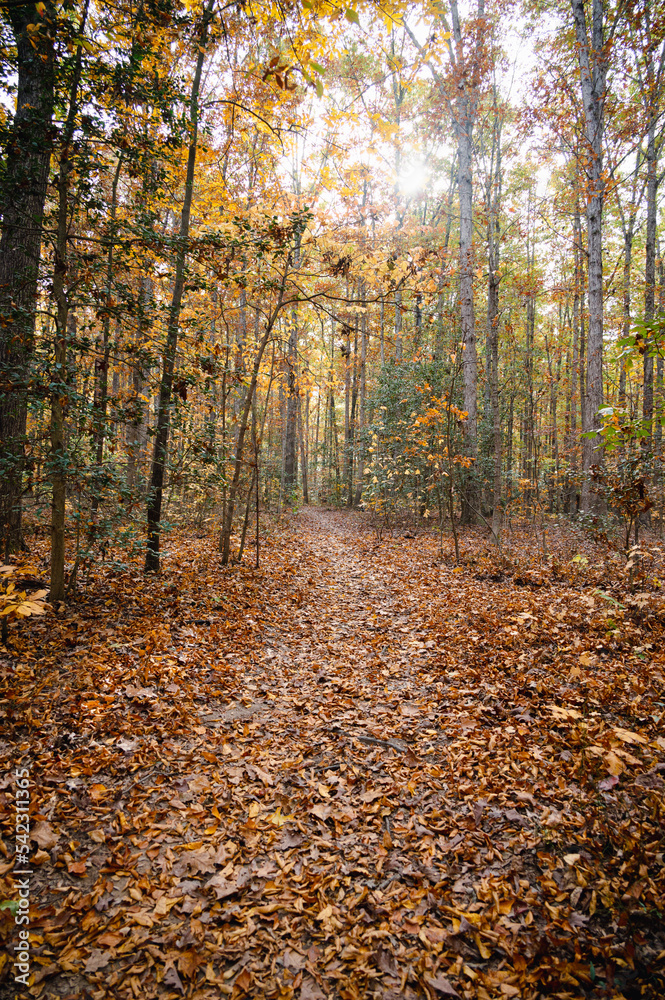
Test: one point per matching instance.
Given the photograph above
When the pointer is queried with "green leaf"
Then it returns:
(319, 88)
(11, 905)
(352, 15)
(317, 66)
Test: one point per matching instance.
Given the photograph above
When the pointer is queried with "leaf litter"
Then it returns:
(356, 772)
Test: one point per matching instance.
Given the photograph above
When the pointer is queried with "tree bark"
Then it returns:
(468, 75)
(658, 407)
(362, 398)
(649, 285)
(227, 525)
(60, 375)
(399, 349)
(291, 427)
(303, 453)
(493, 247)
(592, 58)
(27, 159)
(154, 511)
(100, 404)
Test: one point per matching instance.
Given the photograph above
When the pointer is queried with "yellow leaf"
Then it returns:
(163, 905)
(482, 947)
(324, 791)
(614, 765)
(629, 737)
(277, 819)
(626, 756)
(564, 714)
(253, 810)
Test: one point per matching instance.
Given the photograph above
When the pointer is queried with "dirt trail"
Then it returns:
(361, 773)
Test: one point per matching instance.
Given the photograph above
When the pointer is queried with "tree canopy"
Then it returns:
(401, 256)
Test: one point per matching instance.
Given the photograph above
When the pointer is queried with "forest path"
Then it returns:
(357, 772)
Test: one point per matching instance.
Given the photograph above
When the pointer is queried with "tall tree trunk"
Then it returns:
(553, 421)
(592, 58)
(61, 378)
(470, 356)
(627, 266)
(347, 466)
(154, 511)
(353, 436)
(468, 68)
(27, 159)
(493, 241)
(509, 437)
(650, 285)
(291, 428)
(578, 284)
(101, 393)
(468, 72)
(658, 400)
(361, 404)
(303, 453)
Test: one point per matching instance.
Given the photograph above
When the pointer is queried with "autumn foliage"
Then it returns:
(331, 500)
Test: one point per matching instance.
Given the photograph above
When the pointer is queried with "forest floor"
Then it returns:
(359, 771)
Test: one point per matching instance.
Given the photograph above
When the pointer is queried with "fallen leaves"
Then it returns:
(409, 784)
(44, 835)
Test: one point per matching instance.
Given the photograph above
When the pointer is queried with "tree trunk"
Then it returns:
(291, 428)
(303, 454)
(60, 375)
(362, 401)
(658, 400)
(468, 74)
(649, 286)
(227, 526)
(592, 59)
(398, 325)
(347, 467)
(155, 498)
(627, 265)
(100, 404)
(27, 159)
(493, 256)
